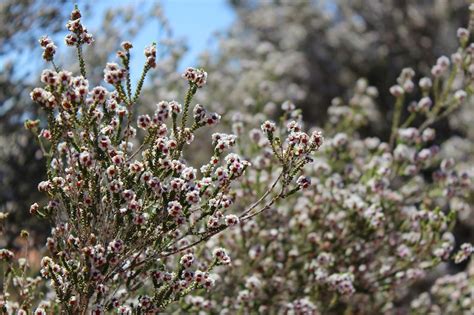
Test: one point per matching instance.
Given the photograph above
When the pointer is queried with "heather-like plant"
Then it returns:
(376, 219)
(128, 209)
(257, 228)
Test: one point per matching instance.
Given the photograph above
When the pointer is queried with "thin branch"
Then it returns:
(256, 203)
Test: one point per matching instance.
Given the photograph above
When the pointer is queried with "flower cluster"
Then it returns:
(78, 33)
(450, 294)
(49, 48)
(196, 76)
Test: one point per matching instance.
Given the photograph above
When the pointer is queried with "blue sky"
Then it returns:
(196, 20)
(193, 20)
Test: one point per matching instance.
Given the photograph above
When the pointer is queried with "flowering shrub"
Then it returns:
(127, 208)
(377, 218)
(257, 228)
(371, 224)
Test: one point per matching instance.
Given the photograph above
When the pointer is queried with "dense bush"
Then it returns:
(274, 222)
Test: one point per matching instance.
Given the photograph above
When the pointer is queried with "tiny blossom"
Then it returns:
(212, 119)
(49, 48)
(428, 134)
(187, 260)
(196, 76)
(40, 311)
(424, 154)
(408, 86)
(460, 95)
(193, 197)
(443, 251)
(45, 133)
(124, 310)
(253, 283)
(425, 83)
(437, 70)
(126, 45)
(113, 74)
(231, 219)
(99, 94)
(175, 107)
(49, 77)
(443, 62)
(462, 33)
(44, 98)
(374, 215)
(288, 106)
(199, 112)
(116, 246)
(409, 134)
(397, 91)
(221, 256)
(6, 254)
(118, 159)
(342, 283)
(209, 282)
(268, 127)
(188, 174)
(456, 58)
(464, 252)
(303, 182)
(150, 54)
(34, 208)
(424, 104)
(317, 138)
(293, 126)
(174, 208)
(144, 121)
